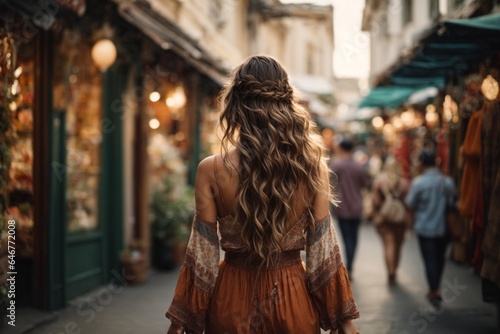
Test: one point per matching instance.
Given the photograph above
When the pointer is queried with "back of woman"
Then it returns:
(390, 185)
(268, 194)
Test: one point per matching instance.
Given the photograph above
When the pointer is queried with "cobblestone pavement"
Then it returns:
(400, 309)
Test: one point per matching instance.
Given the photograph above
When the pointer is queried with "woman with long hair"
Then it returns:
(268, 195)
(390, 182)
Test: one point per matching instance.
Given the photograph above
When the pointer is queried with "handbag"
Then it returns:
(392, 209)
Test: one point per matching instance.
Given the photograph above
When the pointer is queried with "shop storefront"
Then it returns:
(462, 59)
(18, 83)
(65, 151)
(179, 124)
(177, 84)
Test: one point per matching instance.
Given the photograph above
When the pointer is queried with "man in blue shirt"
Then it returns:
(427, 199)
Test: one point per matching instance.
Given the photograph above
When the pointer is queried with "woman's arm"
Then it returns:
(200, 269)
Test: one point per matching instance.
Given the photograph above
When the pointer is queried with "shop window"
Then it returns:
(218, 14)
(21, 169)
(77, 92)
(407, 11)
(169, 137)
(434, 9)
(310, 59)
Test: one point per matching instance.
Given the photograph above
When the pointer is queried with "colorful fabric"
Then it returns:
(197, 278)
(491, 191)
(471, 176)
(233, 298)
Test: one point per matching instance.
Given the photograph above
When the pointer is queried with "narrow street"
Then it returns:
(401, 309)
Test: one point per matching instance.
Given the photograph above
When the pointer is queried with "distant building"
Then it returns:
(396, 26)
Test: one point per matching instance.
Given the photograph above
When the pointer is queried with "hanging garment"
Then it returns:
(471, 176)
(491, 192)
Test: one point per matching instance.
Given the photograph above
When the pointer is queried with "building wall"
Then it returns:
(391, 36)
(219, 26)
(225, 28)
(305, 55)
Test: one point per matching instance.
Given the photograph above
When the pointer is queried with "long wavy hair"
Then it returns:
(279, 152)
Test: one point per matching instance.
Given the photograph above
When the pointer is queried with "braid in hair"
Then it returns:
(276, 91)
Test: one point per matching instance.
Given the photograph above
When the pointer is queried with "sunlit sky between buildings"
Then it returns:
(351, 58)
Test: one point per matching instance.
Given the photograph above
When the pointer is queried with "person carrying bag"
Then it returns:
(390, 213)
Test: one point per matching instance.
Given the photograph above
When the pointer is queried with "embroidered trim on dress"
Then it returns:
(180, 314)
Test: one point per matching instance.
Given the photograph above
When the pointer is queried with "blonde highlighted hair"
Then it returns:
(279, 151)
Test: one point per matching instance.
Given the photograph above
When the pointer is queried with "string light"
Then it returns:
(431, 116)
(177, 99)
(154, 123)
(397, 123)
(378, 123)
(408, 118)
(450, 110)
(490, 88)
(154, 97)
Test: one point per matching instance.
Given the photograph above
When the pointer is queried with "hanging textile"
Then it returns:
(471, 177)
(491, 191)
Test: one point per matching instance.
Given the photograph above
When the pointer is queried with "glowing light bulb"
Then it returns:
(378, 122)
(104, 54)
(154, 97)
(154, 123)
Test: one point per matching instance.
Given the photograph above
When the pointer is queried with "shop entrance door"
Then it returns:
(87, 187)
(80, 258)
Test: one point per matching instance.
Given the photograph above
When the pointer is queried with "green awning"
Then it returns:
(477, 25)
(448, 51)
(388, 96)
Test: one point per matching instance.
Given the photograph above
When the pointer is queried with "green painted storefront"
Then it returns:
(82, 260)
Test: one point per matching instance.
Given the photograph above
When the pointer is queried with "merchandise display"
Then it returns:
(168, 134)
(21, 169)
(77, 87)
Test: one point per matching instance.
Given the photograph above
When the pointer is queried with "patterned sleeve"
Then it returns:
(197, 278)
(327, 277)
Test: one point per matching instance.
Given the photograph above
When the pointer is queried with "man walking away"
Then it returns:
(427, 200)
(349, 177)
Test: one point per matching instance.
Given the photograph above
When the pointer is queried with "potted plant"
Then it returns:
(172, 210)
(133, 261)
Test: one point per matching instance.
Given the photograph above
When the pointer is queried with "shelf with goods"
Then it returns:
(20, 188)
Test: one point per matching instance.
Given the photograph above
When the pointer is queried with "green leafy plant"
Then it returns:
(172, 213)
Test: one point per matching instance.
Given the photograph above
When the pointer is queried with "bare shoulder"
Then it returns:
(206, 167)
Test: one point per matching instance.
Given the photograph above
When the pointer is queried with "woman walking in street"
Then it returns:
(268, 194)
(390, 183)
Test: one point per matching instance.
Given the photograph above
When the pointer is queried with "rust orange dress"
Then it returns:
(234, 296)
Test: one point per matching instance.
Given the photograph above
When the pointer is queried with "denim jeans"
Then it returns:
(349, 228)
(433, 252)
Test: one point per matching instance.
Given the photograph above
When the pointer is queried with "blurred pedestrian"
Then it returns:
(268, 196)
(389, 185)
(427, 198)
(350, 177)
